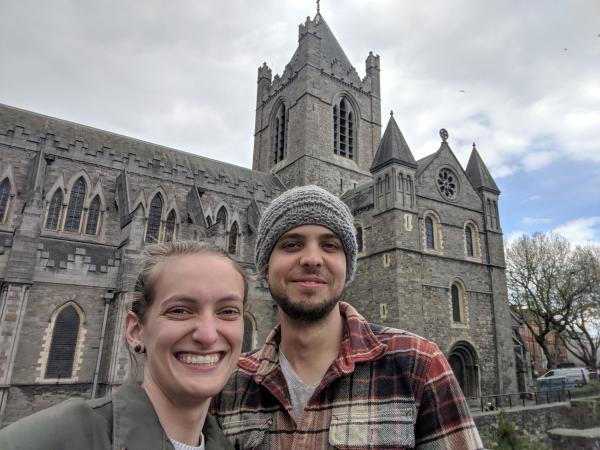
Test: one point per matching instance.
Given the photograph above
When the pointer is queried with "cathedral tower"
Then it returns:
(318, 123)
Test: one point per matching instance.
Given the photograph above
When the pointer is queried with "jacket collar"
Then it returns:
(136, 425)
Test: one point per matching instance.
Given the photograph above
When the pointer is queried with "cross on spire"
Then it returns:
(318, 6)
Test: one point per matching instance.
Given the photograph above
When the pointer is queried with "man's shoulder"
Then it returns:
(397, 339)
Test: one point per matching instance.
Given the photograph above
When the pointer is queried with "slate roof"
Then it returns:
(478, 173)
(111, 146)
(393, 148)
(331, 48)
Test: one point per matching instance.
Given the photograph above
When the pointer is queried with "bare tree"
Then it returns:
(545, 286)
(582, 334)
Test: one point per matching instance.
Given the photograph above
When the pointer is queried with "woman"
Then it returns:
(187, 321)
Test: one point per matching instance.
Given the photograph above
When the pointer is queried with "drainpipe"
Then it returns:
(108, 296)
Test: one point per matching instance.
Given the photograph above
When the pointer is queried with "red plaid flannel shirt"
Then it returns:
(387, 389)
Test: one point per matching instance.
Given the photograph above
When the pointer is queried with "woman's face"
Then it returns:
(194, 329)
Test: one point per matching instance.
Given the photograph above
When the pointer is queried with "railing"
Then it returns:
(494, 402)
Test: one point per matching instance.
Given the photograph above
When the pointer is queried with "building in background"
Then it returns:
(78, 205)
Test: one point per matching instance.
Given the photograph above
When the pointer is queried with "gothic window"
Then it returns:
(233, 236)
(432, 233)
(222, 217)
(170, 226)
(280, 134)
(469, 241)
(343, 129)
(429, 233)
(249, 333)
(93, 216)
(63, 345)
(154, 217)
(456, 303)
(447, 183)
(75, 206)
(54, 210)
(4, 197)
(359, 238)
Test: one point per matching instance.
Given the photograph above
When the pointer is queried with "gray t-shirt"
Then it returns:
(300, 393)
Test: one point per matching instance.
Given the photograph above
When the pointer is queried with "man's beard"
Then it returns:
(305, 311)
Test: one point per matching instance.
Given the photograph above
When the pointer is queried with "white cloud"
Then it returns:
(513, 236)
(536, 220)
(585, 230)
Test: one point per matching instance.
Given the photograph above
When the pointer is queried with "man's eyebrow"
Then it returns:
(293, 236)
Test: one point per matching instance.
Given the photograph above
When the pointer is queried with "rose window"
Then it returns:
(447, 184)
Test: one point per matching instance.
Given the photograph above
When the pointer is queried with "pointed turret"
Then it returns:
(478, 173)
(392, 148)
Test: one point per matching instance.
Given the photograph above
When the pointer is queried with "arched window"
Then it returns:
(54, 210)
(280, 133)
(469, 241)
(429, 233)
(249, 333)
(75, 206)
(170, 226)
(91, 226)
(233, 236)
(409, 192)
(496, 217)
(222, 216)
(64, 342)
(359, 238)
(4, 197)
(343, 129)
(154, 217)
(456, 303)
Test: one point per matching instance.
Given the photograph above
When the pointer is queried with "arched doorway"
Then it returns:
(465, 365)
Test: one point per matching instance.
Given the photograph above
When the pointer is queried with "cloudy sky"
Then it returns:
(521, 79)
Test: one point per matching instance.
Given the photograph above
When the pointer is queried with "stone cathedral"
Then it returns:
(78, 204)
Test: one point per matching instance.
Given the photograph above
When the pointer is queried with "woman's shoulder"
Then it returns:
(75, 423)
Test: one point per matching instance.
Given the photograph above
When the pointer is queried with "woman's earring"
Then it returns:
(139, 349)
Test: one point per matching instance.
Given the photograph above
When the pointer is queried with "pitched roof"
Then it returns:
(331, 48)
(393, 148)
(478, 173)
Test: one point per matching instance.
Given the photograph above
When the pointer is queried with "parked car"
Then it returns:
(563, 378)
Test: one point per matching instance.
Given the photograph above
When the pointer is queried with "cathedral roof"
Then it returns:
(114, 150)
(393, 148)
(478, 173)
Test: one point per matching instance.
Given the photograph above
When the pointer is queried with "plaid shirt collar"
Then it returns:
(359, 344)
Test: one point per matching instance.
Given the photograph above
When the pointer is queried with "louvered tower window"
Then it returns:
(170, 226)
(154, 217)
(343, 129)
(469, 241)
(4, 196)
(75, 206)
(280, 134)
(91, 226)
(64, 342)
(54, 210)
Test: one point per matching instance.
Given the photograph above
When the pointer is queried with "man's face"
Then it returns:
(307, 272)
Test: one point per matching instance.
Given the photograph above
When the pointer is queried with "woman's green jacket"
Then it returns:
(124, 421)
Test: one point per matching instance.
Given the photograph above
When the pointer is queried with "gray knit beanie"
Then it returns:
(306, 205)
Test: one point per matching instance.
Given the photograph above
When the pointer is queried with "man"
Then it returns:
(325, 378)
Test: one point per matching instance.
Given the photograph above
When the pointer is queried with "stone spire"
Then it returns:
(478, 173)
(392, 148)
